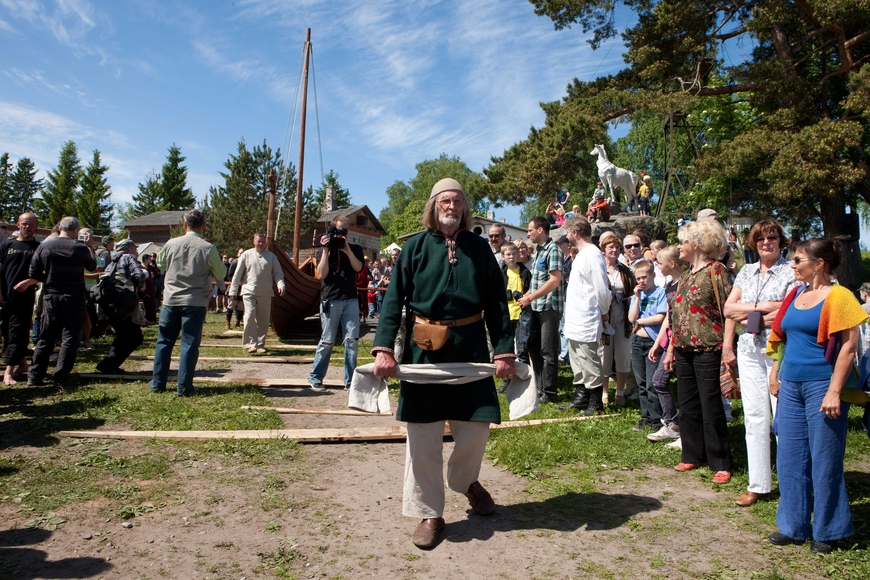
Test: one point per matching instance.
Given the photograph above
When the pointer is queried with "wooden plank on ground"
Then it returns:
(346, 435)
(282, 382)
(246, 359)
(297, 411)
(269, 346)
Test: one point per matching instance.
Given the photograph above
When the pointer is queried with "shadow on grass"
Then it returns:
(565, 513)
(305, 392)
(39, 431)
(26, 563)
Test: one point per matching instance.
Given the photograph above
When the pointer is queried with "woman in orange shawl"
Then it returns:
(813, 340)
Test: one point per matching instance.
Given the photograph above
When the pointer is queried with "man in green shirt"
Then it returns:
(454, 291)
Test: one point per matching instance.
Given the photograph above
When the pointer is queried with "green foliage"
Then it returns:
(149, 199)
(404, 210)
(93, 207)
(61, 188)
(24, 188)
(5, 183)
(341, 196)
(238, 209)
(173, 180)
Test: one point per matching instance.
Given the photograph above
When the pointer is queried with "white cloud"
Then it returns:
(29, 132)
(6, 26)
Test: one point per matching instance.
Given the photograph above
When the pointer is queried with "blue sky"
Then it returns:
(398, 82)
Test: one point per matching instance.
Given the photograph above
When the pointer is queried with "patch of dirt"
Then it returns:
(335, 512)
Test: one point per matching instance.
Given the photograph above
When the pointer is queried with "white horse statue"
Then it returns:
(614, 177)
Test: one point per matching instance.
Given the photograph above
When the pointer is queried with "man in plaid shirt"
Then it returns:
(546, 298)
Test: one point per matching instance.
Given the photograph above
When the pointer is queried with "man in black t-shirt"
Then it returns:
(15, 256)
(338, 264)
(60, 264)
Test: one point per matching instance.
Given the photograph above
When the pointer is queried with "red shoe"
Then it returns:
(722, 477)
(688, 466)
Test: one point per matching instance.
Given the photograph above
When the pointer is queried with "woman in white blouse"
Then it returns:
(758, 292)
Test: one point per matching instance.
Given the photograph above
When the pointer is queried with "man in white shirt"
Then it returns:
(257, 271)
(586, 309)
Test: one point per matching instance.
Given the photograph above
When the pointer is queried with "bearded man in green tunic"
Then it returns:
(448, 279)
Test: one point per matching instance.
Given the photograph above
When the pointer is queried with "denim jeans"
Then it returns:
(809, 464)
(644, 370)
(188, 321)
(342, 314)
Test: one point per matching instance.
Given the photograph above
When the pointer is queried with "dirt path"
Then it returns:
(335, 512)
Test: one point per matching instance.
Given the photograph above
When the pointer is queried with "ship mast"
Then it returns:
(298, 221)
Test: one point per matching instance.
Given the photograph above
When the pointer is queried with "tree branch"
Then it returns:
(731, 34)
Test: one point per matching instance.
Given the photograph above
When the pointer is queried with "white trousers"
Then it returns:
(423, 495)
(257, 312)
(758, 407)
(586, 364)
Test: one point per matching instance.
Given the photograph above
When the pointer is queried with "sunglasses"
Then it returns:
(798, 260)
(760, 239)
(494, 236)
(630, 246)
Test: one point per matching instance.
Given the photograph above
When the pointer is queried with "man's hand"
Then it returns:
(324, 241)
(525, 300)
(385, 365)
(504, 368)
(24, 284)
(280, 291)
(729, 359)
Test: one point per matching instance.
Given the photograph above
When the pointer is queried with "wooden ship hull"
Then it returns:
(301, 298)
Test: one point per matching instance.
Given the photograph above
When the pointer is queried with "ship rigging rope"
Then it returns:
(317, 116)
(288, 135)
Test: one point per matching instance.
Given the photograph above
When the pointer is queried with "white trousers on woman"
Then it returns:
(423, 495)
(758, 407)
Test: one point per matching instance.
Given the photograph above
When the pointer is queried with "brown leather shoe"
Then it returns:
(748, 498)
(426, 534)
(480, 500)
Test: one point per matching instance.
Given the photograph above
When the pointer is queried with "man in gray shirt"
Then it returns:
(189, 263)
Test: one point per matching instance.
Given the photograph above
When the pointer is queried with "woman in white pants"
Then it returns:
(758, 292)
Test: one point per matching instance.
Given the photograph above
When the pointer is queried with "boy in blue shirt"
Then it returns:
(646, 312)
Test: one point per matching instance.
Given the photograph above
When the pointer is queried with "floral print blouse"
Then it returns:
(697, 321)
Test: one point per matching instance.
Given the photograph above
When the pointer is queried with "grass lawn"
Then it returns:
(40, 473)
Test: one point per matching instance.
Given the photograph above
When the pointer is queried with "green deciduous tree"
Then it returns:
(404, 210)
(803, 74)
(61, 187)
(238, 209)
(93, 207)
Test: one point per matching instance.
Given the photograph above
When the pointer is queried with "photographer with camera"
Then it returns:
(337, 267)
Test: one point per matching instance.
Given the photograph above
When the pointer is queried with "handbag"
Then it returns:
(430, 336)
(729, 381)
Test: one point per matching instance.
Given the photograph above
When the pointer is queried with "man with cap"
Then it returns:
(257, 271)
(455, 293)
(128, 332)
(15, 257)
(59, 263)
(105, 253)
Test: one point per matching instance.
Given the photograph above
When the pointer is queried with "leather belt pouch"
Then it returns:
(430, 336)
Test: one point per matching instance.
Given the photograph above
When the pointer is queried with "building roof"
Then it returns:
(349, 210)
(159, 218)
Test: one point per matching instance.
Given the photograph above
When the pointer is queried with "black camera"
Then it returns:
(517, 295)
(335, 242)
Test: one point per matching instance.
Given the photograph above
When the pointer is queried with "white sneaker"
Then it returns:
(678, 444)
(317, 387)
(668, 432)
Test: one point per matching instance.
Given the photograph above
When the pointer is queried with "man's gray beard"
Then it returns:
(448, 221)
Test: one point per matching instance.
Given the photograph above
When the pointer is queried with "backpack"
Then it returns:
(111, 294)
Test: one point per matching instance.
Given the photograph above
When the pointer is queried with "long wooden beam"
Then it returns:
(278, 346)
(344, 435)
(282, 382)
(298, 411)
(247, 359)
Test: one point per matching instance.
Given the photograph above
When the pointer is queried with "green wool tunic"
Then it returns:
(439, 291)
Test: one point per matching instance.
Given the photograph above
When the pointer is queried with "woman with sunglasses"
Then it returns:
(696, 349)
(757, 295)
(813, 341)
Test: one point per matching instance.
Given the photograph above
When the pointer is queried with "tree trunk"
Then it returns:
(850, 271)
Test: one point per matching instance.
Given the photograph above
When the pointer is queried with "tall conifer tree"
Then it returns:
(93, 207)
(173, 180)
(61, 187)
(25, 186)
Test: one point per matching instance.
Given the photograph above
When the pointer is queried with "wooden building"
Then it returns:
(155, 227)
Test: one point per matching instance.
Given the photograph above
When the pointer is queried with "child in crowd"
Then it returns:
(518, 279)
(672, 268)
(654, 248)
(599, 209)
(646, 312)
(643, 195)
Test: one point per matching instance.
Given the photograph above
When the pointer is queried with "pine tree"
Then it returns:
(25, 186)
(60, 188)
(94, 208)
(5, 186)
(150, 197)
(173, 180)
(238, 208)
(341, 196)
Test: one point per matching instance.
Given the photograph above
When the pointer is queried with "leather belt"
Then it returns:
(449, 323)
